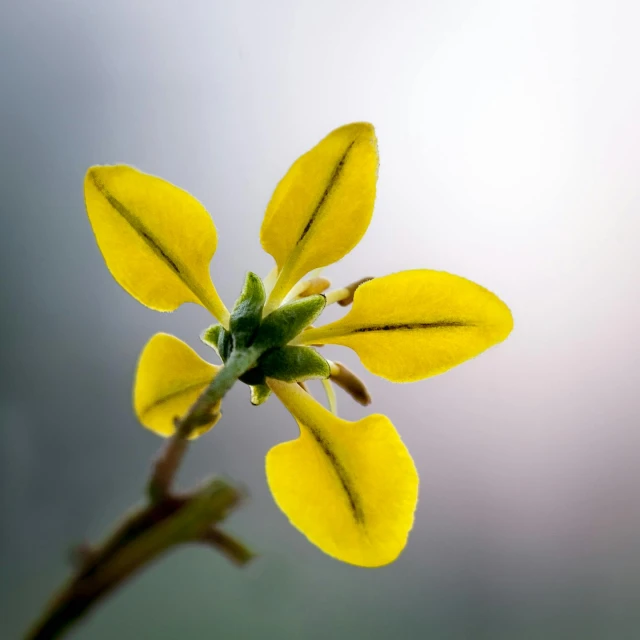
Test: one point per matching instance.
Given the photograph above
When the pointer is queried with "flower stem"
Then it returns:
(167, 520)
(166, 466)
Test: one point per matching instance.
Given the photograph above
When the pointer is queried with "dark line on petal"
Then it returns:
(332, 181)
(156, 247)
(410, 326)
(136, 224)
(354, 501)
(160, 401)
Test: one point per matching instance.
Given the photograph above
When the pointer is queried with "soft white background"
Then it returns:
(510, 147)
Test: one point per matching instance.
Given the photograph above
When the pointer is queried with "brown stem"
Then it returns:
(144, 536)
(166, 466)
(223, 542)
(202, 412)
(167, 521)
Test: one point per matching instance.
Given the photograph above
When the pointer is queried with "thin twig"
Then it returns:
(202, 412)
(119, 561)
(223, 542)
(166, 521)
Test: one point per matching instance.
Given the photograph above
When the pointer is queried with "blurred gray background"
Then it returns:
(510, 146)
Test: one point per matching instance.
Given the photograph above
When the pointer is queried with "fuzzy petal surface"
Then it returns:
(416, 324)
(350, 487)
(322, 207)
(169, 379)
(156, 239)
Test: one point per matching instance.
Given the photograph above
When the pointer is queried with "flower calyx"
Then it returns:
(269, 338)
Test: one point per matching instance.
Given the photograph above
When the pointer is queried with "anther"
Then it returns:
(314, 286)
(349, 382)
(306, 288)
(344, 296)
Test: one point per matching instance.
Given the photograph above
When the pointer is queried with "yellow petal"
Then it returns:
(416, 324)
(322, 206)
(156, 239)
(169, 379)
(350, 487)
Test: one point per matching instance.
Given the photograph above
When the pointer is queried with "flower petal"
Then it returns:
(350, 487)
(415, 324)
(156, 239)
(322, 206)
(169, 379)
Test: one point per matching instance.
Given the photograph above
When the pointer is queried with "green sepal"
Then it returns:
(259, 394)
(285, 323)
(211, 336)
(247, 312)
(253, 376)
(294, 364)
(225, 344)
(219, 339)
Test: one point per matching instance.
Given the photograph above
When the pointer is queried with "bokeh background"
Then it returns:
(510, 147)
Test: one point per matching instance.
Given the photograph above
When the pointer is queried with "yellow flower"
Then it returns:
(350, 487)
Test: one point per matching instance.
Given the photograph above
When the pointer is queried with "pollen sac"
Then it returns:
(286, 322)
(349, 382)
(294, 364)
(247, 312)
(351, 290)
(314, 286)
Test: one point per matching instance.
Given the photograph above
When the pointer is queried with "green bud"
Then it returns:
(259, 394)
(285, 323)
(293, 364)
(247, 312)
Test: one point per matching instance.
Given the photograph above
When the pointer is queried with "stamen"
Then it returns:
(349, 382)
(314, 286)
(296, 291)
(270, 280)
(306, 288)
(276, 295)
(344, 296)
(331, 396)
